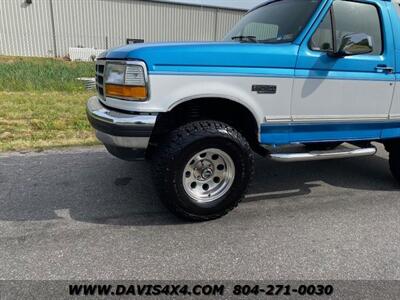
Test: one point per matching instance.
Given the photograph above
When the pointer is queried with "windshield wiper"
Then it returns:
(249, 38)
(276, 40)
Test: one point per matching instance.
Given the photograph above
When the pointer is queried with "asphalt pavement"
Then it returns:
(82, 214)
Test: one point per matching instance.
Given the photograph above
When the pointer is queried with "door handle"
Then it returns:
(384, 69)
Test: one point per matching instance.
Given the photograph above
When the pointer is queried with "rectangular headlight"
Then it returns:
(115, 73)
(126, 81)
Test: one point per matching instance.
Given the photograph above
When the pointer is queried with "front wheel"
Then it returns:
(202, 170)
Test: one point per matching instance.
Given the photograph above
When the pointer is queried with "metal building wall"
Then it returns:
(226, 20)
(27, 30)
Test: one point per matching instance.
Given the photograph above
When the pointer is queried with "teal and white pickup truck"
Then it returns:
(317, 73)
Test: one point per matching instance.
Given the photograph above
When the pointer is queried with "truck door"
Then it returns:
(346, 89)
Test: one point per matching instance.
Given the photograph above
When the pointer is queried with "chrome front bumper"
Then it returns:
(120, 129)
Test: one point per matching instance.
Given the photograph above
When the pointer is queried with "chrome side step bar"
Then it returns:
(322, 155)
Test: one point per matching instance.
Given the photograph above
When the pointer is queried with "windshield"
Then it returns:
(277, 22)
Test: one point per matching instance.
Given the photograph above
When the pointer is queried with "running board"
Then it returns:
(322, 155)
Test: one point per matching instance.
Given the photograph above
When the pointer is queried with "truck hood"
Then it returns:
(163, 57)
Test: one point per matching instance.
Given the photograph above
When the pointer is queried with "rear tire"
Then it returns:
(394, 162)
(202, 170)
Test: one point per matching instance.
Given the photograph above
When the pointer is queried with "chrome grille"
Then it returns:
(100, 68)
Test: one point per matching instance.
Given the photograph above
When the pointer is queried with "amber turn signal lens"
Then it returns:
(126, 92)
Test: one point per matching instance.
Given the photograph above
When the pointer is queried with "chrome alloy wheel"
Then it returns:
(208, 175)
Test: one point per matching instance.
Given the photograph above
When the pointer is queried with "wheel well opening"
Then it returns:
(219, 109)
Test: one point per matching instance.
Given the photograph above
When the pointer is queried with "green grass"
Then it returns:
(42, 105)
(40, 120)
(42, 74)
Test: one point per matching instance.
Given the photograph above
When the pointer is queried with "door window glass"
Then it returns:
(322, 39)
(350, 17)
(356, 17)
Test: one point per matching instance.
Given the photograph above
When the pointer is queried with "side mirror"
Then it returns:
(354, 44)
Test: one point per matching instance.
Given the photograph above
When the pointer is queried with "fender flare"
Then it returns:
(217, 96)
